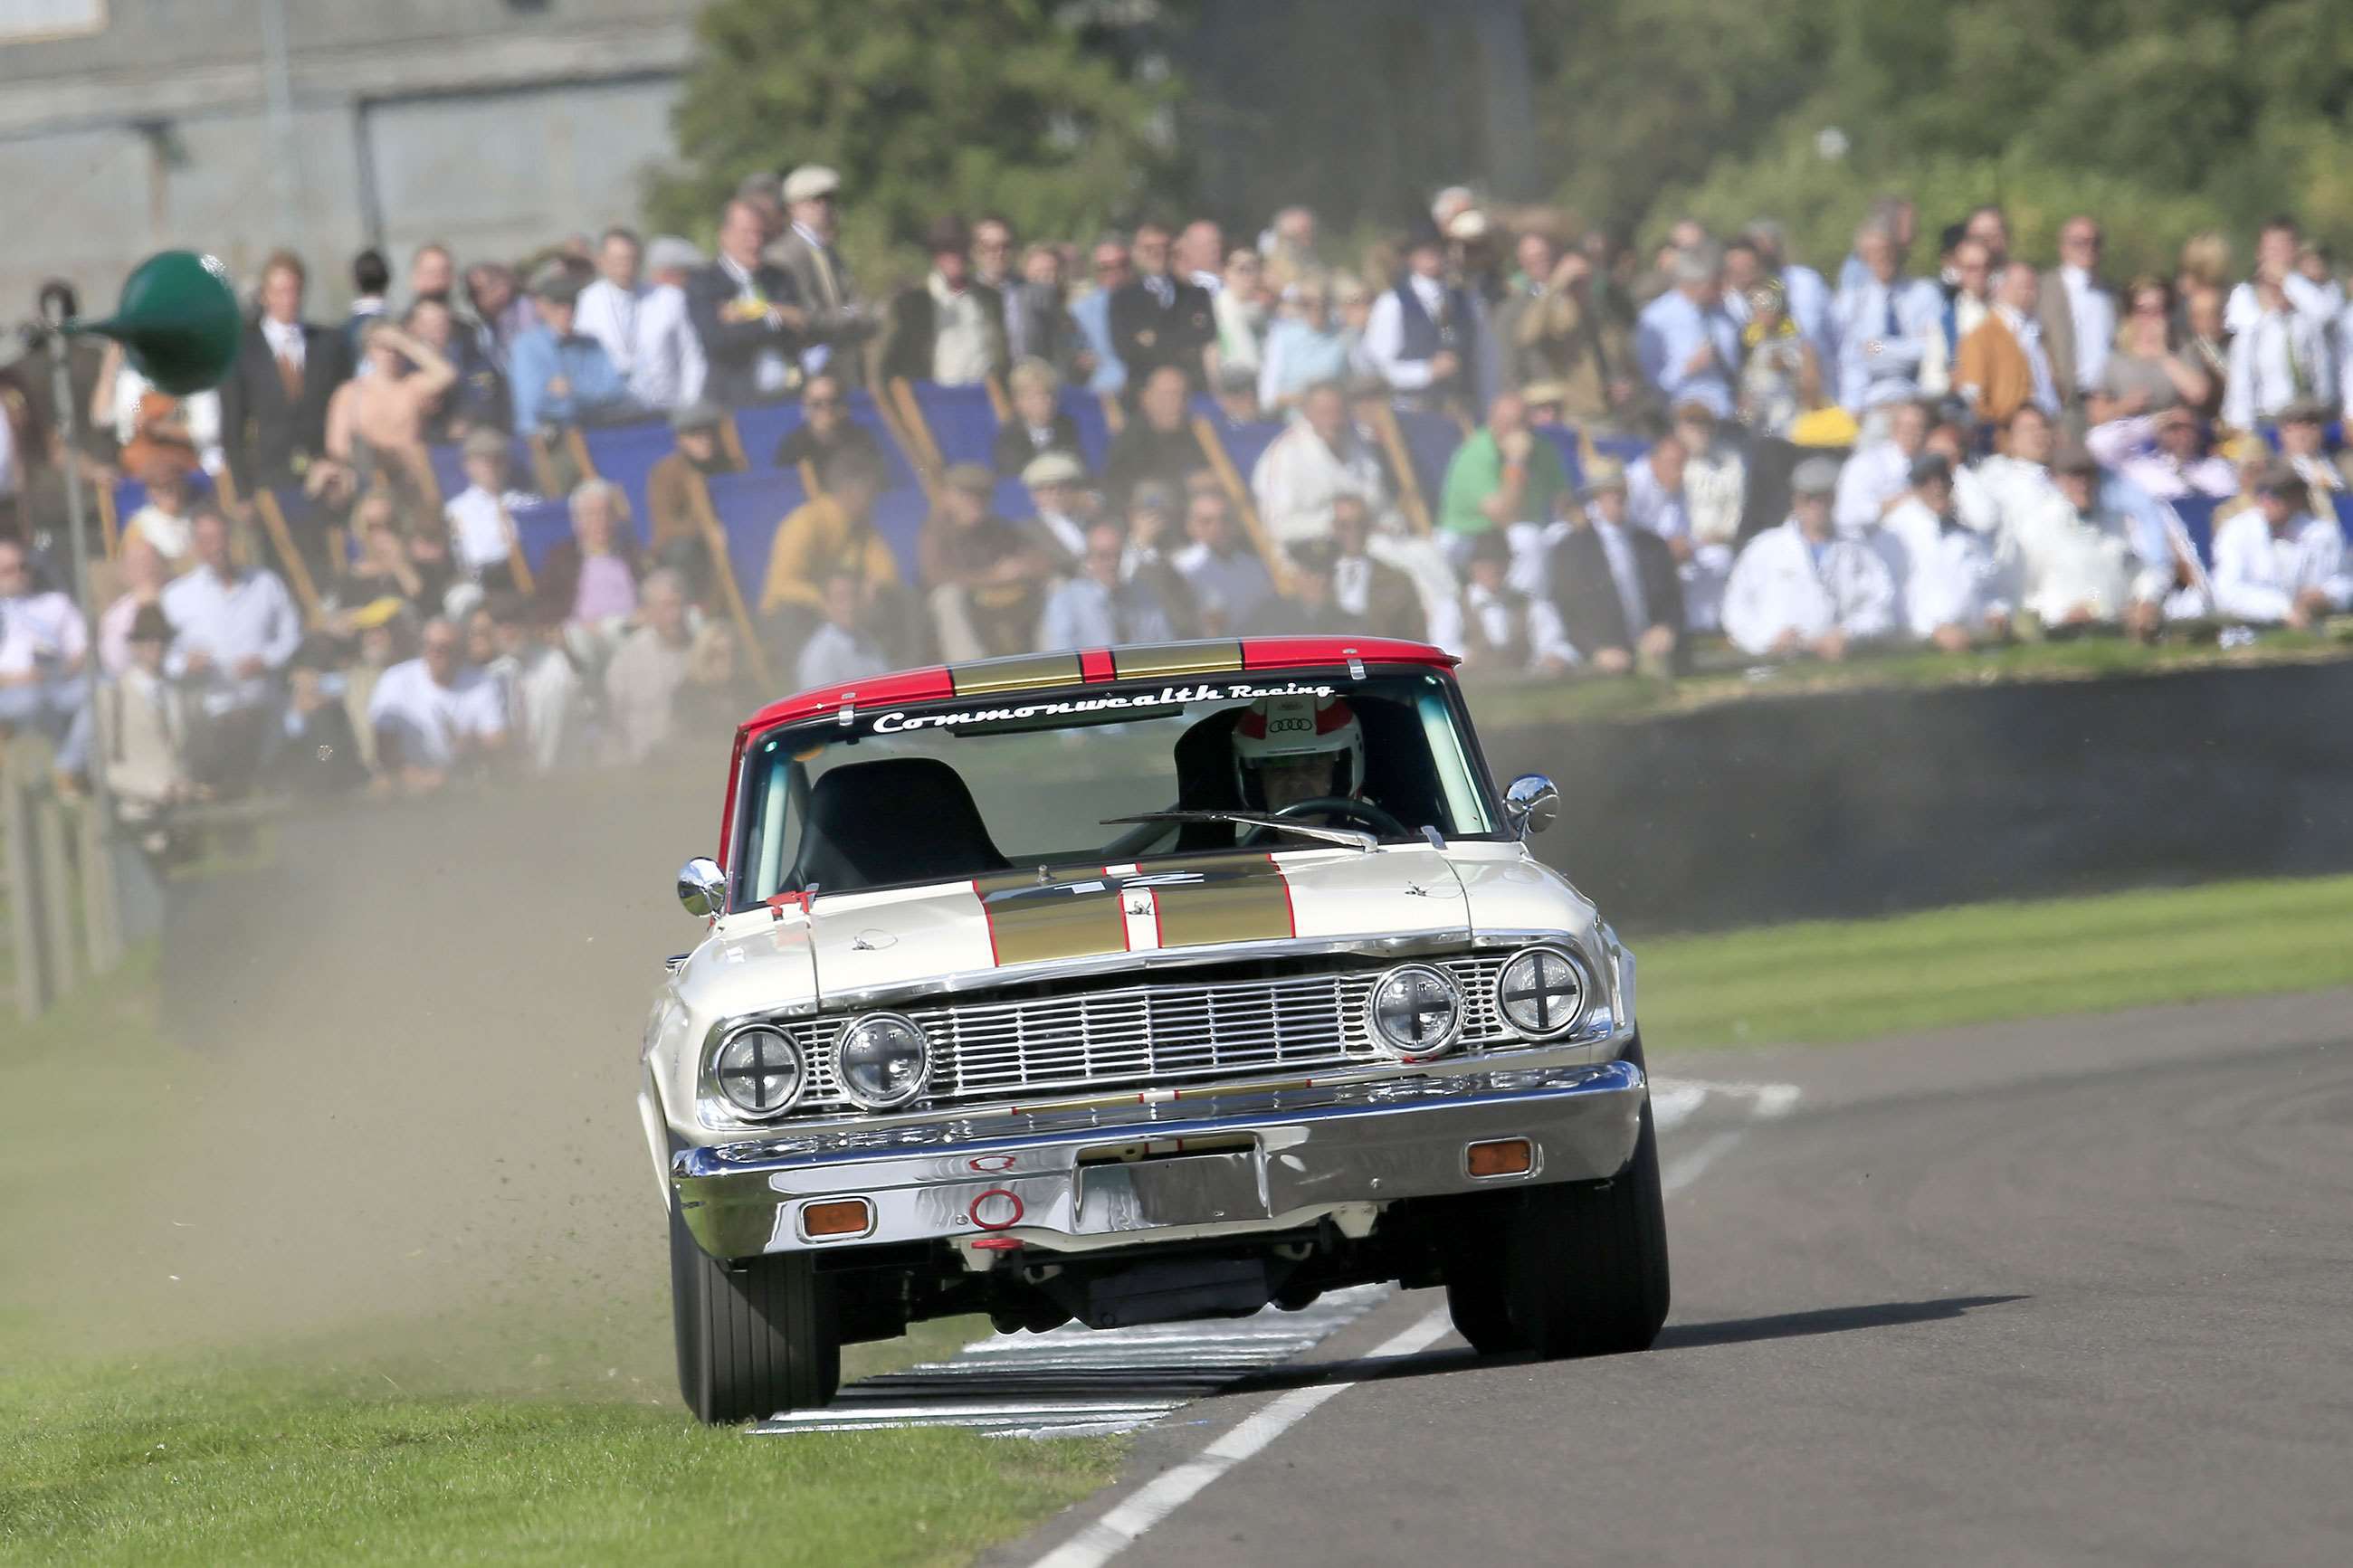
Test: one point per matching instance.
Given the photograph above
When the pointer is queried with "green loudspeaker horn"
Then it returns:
(178, 323)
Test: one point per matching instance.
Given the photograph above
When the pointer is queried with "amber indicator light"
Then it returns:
(1503, 1157)
(840, 1217)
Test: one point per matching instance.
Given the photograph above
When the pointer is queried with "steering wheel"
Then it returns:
(1363, 813)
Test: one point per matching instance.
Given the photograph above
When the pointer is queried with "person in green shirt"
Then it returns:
(1503, 474)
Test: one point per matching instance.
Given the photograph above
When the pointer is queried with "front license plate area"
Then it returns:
(1185, 1189)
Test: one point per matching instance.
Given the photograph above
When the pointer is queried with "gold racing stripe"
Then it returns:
(1016, 674)
(1206, 898)
(1167, 661)
(1077, 912)
(1074, 914)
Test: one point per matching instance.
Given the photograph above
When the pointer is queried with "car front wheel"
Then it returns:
(1572, 1268)
(755, 1338)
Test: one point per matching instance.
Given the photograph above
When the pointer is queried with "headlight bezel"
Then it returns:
(719, 1078)
(1580, 973)
(841, 1040)
(1423, 1050)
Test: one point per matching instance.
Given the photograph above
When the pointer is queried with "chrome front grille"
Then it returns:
(1142, 1035)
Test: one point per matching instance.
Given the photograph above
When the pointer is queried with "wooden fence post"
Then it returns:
(57, 883)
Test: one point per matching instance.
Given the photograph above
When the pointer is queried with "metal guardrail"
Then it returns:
(56, 882)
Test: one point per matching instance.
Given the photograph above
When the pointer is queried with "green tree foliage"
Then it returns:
(927, 107)
(2163, 116)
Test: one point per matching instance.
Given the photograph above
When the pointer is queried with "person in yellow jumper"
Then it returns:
(829, 534)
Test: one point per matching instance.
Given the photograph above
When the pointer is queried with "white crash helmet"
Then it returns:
(1277, 729)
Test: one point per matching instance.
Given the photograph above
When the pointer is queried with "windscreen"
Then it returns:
(962, 788)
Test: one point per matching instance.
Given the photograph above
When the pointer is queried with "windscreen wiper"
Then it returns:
(1354, 837)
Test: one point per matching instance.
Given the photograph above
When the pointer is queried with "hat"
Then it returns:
(1053, 469)
(1697, 410)
(946, 234)
(1236, 379)
(972, 478)
(487, 444)
(2074, 458)
(1422, 234)
(1471, 224)
(378, 612)
(1601, 474)
(2304, 411)
(1815, 477)
(700, 415)
(1929, 467)
(809, 182)
(667, 252)
(1537, 391)
(1151, 496)
(2279, 477)
(556, 285)
(150, 624)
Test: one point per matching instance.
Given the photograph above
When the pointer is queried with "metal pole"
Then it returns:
(279, 86)
(61, 394)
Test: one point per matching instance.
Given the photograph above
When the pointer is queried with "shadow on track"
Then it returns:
(1673, 1337)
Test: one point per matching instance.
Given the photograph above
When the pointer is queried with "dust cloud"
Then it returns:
(400, 1126)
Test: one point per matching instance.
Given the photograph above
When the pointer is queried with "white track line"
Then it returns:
(1164, 1494)
(1112, 1534)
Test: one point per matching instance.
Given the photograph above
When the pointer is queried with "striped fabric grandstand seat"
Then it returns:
(626, 453)
(2344, 514)
(1565, 441)
(2196, 515)
(761, 426)
(1246, 444)
(748, 507)
(540, 525)
(1430, 441)
(1086, 412)
(961, 420)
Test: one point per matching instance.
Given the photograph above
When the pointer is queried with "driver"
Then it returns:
(1292, 749)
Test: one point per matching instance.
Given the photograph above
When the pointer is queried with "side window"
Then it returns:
(777, 829)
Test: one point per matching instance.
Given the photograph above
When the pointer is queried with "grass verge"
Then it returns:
(360, 1448)
(1846, 979)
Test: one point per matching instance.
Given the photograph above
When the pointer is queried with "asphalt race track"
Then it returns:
(2078, 1291)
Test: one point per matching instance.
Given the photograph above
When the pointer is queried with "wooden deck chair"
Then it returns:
(1000, 402)
(1411, 501)
(1278, 565)
(110, 523)
(1115, 416)
(543, 476)
(722, 572)
(907, 426)
(731, 441)
(281, 539)
(808, 479)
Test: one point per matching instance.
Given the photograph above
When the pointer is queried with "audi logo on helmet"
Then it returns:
(1280, 730)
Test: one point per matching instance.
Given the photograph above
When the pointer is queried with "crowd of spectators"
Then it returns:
(1767, 460)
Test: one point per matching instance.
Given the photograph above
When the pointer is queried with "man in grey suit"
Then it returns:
(2078, 316)
(839, 319)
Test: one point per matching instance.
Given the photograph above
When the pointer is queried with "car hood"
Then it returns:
(871, 948)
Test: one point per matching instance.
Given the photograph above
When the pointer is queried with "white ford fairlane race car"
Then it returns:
(1137, 984)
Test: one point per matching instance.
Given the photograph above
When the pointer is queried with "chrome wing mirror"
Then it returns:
(702, 889)
(1531, 803)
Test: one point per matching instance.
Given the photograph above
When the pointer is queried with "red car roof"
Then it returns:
(1045, 671)
(1092, 666)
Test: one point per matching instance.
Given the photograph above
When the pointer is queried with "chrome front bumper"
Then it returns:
(1072, 1180)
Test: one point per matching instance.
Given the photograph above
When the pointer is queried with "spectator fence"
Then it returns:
(61, 910)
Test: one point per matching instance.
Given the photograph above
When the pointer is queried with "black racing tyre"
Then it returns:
(753, 1341)
(1474, 1275)
(1583, 1264)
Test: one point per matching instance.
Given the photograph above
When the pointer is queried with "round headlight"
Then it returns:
(882, 1060)
(758, 1072)
(1542, 993)
(1415, 1011)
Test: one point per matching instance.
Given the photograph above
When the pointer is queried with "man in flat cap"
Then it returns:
(839, 319)
(1800, 588)
(2088, 559)
(2277, 565)
(950, 327)
(561, 375)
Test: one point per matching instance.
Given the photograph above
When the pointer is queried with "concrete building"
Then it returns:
(236, 125)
